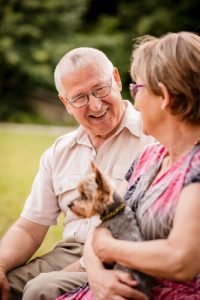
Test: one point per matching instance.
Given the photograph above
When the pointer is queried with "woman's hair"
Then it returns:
(80, 58)
(174, 60)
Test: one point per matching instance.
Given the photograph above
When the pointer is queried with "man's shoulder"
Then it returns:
(67, 137)
(59, 146)
(65, 141)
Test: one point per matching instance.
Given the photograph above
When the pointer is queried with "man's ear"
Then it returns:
(117, 78)
(165, 96)
(66, 104)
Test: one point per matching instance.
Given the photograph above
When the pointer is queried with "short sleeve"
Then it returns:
(41, 205)
(193, 175)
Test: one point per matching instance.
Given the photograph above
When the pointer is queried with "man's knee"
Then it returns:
(38, 288)
(48, 286)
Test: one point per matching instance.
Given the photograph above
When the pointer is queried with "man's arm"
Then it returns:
(17, 246)
(20, 242)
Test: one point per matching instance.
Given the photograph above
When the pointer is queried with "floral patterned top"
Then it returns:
(154, 203)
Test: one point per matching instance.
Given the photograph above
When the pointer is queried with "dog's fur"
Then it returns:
(98, 197)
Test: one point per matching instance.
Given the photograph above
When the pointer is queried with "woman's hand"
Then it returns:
(102, 244)
(110, 284)
(114, 285)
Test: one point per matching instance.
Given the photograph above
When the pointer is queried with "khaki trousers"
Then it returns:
(42, 279)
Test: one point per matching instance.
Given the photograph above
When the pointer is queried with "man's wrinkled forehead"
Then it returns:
(95, 73)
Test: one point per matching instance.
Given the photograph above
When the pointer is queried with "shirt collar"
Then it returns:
(81, 137)
(131, 120)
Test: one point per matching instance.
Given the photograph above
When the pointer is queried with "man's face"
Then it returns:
(100, 116)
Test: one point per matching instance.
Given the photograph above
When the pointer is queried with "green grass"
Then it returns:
(19, 161)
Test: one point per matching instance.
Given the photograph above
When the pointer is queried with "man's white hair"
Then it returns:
(80, 58)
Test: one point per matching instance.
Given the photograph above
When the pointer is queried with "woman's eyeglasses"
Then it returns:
(134, 87)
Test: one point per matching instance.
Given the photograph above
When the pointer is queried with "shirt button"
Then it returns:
(86, 222)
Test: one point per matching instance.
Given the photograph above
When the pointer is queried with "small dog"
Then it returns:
(97, 196)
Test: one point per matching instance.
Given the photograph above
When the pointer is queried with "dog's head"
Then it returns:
(96, 193)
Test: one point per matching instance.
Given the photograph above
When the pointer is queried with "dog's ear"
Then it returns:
(94, 167)
(101, 181)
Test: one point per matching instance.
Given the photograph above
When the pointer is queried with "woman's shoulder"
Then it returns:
(193, 174)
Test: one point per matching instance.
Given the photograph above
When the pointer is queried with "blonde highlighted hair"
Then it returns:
(174, 60)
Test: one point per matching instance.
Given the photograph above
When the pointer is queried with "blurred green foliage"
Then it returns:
(35, 34)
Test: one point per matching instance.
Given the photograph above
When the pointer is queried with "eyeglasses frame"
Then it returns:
(90, 93)
(133, 87)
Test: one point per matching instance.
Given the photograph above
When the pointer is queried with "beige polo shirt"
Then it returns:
(67, 161)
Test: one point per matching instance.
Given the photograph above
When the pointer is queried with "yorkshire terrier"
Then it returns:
(97, 196)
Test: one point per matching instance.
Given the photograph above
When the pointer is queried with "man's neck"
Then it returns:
(98, 139)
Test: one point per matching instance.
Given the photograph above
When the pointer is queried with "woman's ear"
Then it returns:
(165, 97)
(117, 78)
(66, 104)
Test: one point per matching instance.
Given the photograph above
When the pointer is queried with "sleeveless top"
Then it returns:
(154, 204)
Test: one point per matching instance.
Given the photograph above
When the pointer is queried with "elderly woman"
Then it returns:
(164, 181)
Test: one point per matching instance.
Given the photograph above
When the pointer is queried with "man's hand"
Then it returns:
(114, 285)
(74, 267)
(4, 286)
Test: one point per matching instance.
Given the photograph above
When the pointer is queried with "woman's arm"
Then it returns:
(176, 258)
(107, 284)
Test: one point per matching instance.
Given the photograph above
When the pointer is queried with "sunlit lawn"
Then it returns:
(19, 160)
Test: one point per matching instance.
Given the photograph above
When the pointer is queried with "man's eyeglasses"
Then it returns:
(134, 87)
(82, 100)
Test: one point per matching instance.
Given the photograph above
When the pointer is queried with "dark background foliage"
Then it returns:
(35, 34)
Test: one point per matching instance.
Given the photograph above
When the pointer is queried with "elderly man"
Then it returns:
(109, 134)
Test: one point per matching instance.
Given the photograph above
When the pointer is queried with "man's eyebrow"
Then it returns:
(78, 95)
(101, 84)
(96, 86)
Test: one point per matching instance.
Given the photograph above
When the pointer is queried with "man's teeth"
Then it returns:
(99, 115)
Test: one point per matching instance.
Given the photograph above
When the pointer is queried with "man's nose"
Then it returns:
(94, 103)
